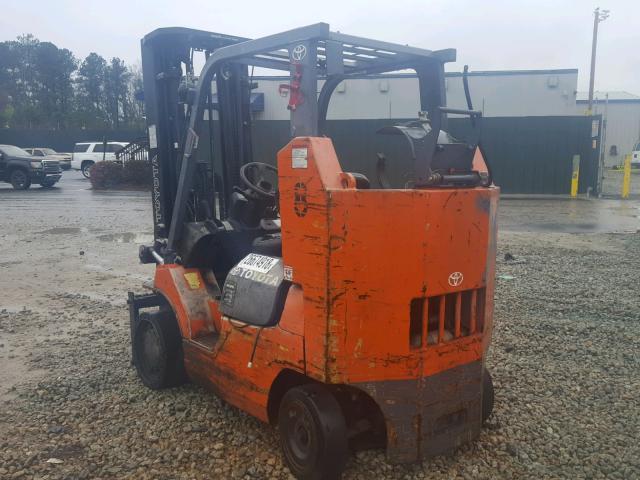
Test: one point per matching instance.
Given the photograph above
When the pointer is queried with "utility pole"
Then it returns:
(603, 146)
(598, 16)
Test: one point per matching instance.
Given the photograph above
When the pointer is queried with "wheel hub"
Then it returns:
(300, 434)
(20, 178)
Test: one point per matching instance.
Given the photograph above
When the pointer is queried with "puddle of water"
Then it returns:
(572, 228)
(71, 230)
(126, 237)
(65, 230)
(12, 308)
(7, 264)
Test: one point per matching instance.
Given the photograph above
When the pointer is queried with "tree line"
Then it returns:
(43, 86)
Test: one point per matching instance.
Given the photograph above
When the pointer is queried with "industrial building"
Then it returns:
(507, 93)
(621, 118)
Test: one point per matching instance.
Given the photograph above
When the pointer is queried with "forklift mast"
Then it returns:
(169, 86)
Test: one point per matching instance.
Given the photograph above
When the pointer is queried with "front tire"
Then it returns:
(86, 169)
(20, 179)
(157, 350)
(47, 184)
(313, 433)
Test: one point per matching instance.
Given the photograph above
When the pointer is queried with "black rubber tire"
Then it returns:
(85, 168)
(313, 433)
(157, 350)
(47, 184)
(20, 179)
(487, 395)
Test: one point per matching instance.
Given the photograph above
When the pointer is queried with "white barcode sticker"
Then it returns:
(298, 158)
(259, 263)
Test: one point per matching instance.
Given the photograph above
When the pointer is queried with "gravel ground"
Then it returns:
(564, 359)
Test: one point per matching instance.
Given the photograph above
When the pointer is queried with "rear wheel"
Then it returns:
(487, 395)
(48, 183)
(157, 350)
(86, 169)
(20, 179)
(313, 433)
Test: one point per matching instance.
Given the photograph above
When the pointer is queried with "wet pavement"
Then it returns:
(569, 215)
(73, 200)
(88, 238)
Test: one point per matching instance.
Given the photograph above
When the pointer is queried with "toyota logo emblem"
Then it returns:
(455, 279)
(298, 52)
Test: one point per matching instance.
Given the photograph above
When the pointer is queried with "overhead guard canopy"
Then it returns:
(309, 54)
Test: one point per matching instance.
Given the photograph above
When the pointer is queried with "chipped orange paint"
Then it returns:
(189, 304)
(358, 258)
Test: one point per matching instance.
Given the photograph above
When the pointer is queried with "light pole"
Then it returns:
(598, 16)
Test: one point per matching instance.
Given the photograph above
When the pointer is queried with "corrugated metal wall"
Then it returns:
(528, 155)
(534, 155)
(623, 128)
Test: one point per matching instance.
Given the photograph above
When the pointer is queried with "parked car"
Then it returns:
(86, 154)
(51, 154)
(21, 169)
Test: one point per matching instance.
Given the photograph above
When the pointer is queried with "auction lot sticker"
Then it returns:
(259, 263)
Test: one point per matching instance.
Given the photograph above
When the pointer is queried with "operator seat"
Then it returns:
(362, 182)
(269, 244)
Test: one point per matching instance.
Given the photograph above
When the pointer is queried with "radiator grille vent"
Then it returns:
(444, 318)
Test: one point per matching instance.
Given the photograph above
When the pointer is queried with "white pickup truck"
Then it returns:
(86, 154)
(635, 156)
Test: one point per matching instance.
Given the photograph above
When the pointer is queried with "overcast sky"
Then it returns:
(488, 35)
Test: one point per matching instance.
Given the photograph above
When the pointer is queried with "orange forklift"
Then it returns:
(347, 312)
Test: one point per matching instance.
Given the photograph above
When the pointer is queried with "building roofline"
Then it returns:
(478, 73)
(600, 101)
(497, 73)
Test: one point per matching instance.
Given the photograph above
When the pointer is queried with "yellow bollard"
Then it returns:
(626, 178)
(575, 176)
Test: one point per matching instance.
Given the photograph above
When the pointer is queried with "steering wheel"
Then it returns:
(260, 178)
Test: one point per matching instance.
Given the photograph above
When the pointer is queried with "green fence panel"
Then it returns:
(528, 155)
